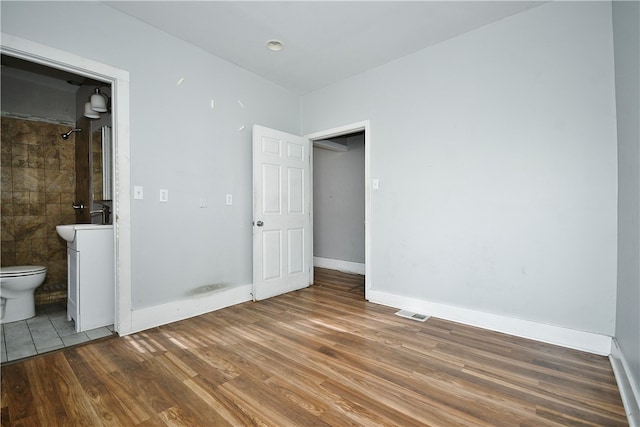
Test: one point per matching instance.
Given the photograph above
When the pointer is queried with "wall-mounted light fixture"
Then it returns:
(98, 103)
(89, 113)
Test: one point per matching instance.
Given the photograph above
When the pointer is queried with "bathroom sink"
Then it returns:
(68, 231)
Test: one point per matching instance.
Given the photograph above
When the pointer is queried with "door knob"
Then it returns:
(259, 223)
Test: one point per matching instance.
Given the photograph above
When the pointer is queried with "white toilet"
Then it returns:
(17, 285)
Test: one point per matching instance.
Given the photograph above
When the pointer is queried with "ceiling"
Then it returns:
(324, 41)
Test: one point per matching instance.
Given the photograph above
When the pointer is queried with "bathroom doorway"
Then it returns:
(62, 62)
(48, 178)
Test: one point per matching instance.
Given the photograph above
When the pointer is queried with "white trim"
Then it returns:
(565, 337)
(339, 131)
(330, 145)
(119, 80)
(174, 311)
(343, 130)
(337, 264)
(629, 389)
(311, 236)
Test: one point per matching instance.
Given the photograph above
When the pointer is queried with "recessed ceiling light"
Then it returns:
(274, 45)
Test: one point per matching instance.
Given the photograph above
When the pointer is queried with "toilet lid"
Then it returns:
(22, 270)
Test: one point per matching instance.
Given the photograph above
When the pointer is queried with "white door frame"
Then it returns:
(339, 131)
(119, 81)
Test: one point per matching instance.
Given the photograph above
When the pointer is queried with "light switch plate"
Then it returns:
(137, 192)
(229, 199)
(375, 184)
(164, 195)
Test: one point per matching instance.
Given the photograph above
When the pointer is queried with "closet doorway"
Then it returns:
(341, 199)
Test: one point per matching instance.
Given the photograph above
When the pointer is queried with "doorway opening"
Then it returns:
(341, 200)
(118, 81)
(53, 173)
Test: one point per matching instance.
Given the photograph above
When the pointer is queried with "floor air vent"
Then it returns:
(413, 316)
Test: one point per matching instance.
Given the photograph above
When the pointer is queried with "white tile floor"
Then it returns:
(49, 330)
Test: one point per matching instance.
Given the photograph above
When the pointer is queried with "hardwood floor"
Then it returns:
(319, 356)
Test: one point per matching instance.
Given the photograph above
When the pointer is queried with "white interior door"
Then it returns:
(281, 212)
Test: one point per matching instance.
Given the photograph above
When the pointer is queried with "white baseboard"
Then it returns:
(565, 337)
(157, 315)
(629, 389)
(336, 264)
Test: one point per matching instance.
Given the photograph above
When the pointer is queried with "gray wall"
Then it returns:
(626, 21)
(338, 202)
(496, 155)
(177, 142)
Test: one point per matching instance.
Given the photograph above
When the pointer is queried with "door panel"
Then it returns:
(281, 212)
(295, 177)
(271, 185)
(271, 250)
(295, 245)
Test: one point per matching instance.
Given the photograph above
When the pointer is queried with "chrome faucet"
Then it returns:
(98, 211)
(104, 212)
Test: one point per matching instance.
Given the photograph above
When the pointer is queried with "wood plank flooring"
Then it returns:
(316, 357)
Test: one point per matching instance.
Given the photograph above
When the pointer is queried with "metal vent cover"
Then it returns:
(413, 316)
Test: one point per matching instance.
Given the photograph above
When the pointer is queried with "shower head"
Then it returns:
(66, 135)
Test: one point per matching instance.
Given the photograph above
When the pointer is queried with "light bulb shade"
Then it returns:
(98, 102)
(89, 113)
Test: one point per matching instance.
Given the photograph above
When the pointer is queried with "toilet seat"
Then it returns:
(22, 270)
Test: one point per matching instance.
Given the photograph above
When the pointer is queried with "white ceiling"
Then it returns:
(325, 41)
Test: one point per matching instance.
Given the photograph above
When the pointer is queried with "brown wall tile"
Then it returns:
(20, 155)
(5, 155)
(67, 155)
(6, 196)
(52, 198)
(8, 229)
(20, 197)
(8, 253)
(6, 178)
(21, 209)
(53, 209)
(36, 197)
(51, 158)
(68, 218)
(37, 209)
(6, 209)
(28, 179)
(38, 189)
(23, 246)
(58, 181)
(39, 244)
(36, 156)
(23, 258)
(67, 199)
(30, 227)
(24, 132)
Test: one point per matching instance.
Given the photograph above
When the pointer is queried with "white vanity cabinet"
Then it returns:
(91, 284)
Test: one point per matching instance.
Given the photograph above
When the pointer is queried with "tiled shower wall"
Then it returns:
(37, 191)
